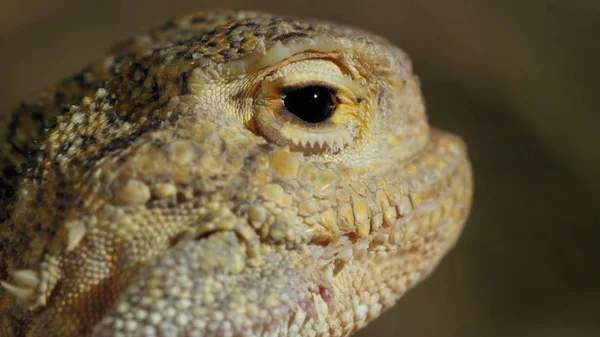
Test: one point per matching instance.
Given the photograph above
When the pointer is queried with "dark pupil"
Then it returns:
(312, 104)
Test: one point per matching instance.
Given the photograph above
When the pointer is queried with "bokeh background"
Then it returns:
(517, 79)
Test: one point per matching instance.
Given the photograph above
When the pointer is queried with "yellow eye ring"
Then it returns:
(313, 106)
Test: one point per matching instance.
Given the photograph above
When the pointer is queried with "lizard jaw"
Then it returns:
(293, 291)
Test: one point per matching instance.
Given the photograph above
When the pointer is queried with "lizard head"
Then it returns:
(280, 179)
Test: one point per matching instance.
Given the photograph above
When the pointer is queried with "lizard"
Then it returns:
(229, 173)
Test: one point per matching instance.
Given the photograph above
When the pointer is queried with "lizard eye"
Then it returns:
(311, 104)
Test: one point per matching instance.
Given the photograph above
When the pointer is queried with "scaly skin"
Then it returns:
(166, 191)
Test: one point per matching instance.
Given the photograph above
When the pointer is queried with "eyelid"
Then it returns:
(302, 138)
(287, 89)
(320, 71)
(335, 83)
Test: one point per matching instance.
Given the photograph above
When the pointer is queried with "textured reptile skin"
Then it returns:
(166, 191)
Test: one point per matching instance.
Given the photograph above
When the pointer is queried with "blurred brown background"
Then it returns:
(519, 81)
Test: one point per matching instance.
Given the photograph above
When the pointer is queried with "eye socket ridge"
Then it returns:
(312, 103)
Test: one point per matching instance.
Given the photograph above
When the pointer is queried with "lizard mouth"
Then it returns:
(437, 205)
